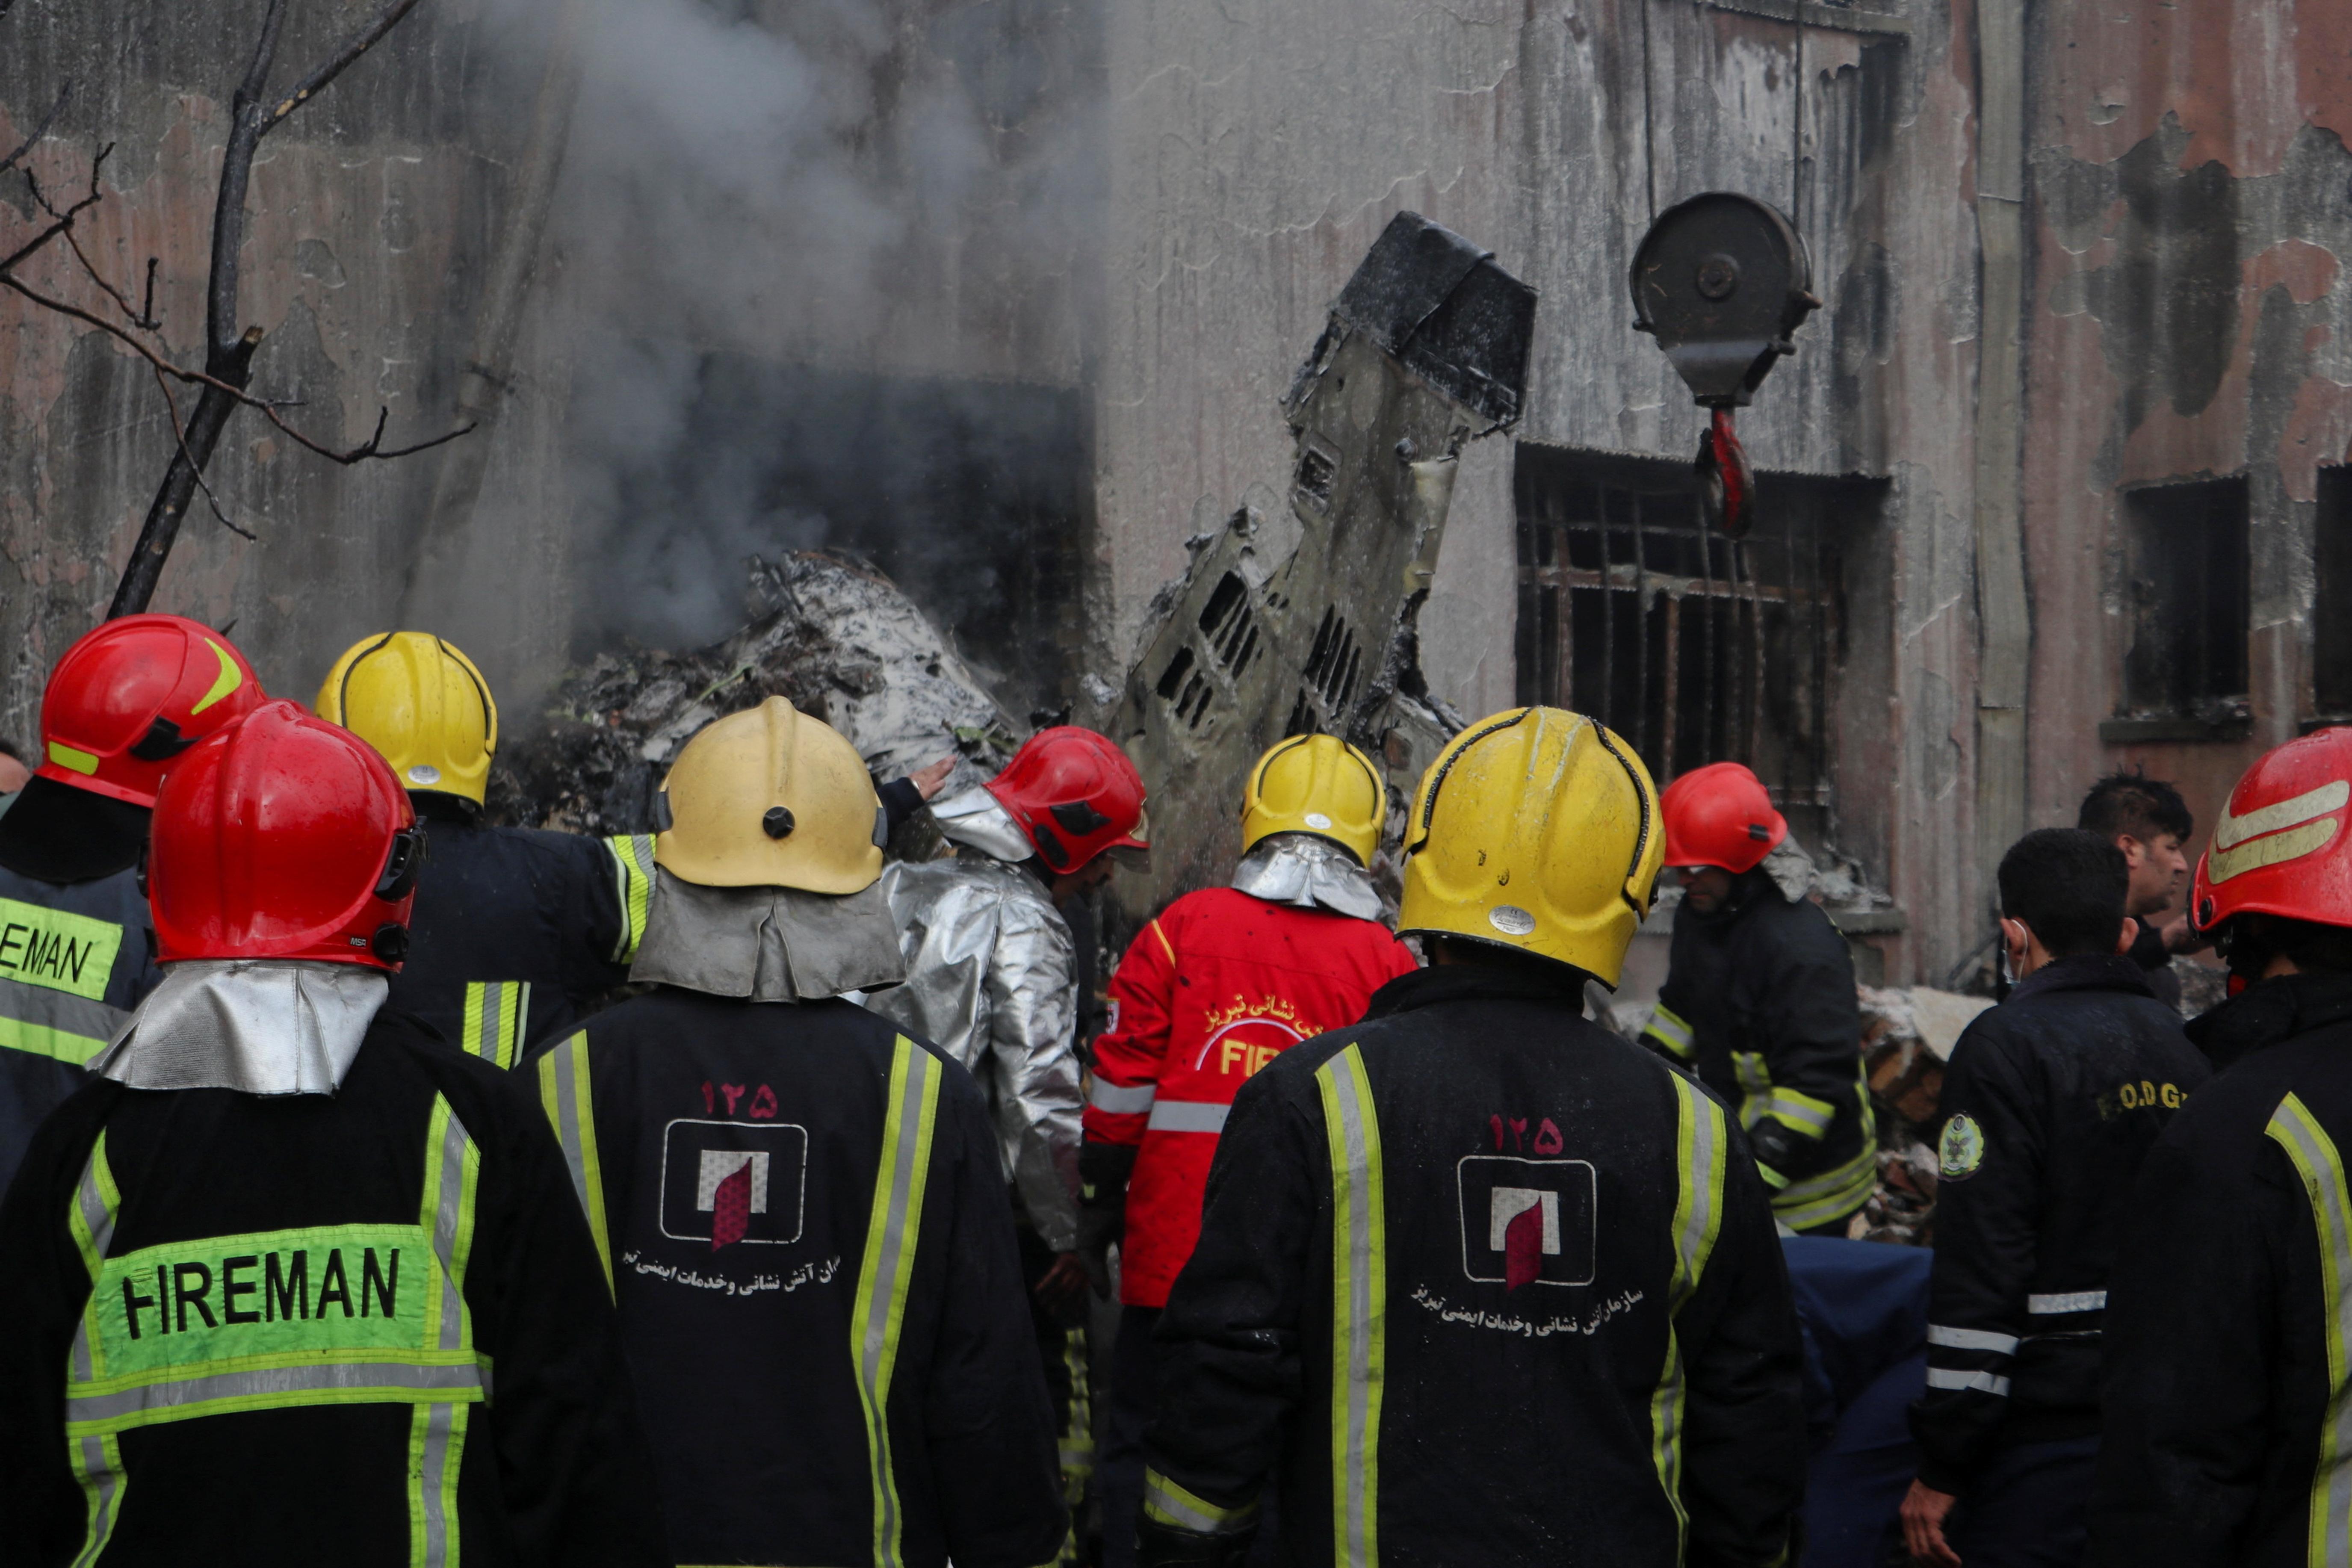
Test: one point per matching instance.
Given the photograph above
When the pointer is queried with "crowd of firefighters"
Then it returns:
(388, 1187)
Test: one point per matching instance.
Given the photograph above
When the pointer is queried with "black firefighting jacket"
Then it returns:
(1759, 1002)
(2227, 1428)
(1479, 1282)
(2051, 1102)
(364, 1328)
(812, 1249)
(517, 933)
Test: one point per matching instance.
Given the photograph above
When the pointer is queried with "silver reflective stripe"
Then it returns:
(1981, 1382)
(103, 1484)
(2321, 1168)
(2073, 1301)
(887, 1269)
(1358, 1198)
(446, 1220)
(1187, 1116)
(1971, 1340)
(567, 1123)
(1119, 1100)
(47, 1023)
(1181, 1508)
(505, 1008)
(100, 1221)
(433, 1457)
(326, 1378)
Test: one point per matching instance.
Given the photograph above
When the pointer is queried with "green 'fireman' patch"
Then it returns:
(50, 947)
(328, 1290)
(1962, 1148)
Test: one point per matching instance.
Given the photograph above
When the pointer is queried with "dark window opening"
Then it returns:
(1316, 472)
(2331, 610)
(2187, 590)
(1695, 647)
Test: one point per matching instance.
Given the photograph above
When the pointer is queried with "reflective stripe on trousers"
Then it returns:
(497, 1011)
(43, 1022)
(2321, 1166)
(1702, 1141)
(632, 884)
(439, 1377)
(567, 1097)
(1834, 1194)
(1358, 1306)
(888, 1269)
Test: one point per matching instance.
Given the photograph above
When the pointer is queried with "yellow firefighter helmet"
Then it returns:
(770, 797)
(1317, 784)
(422, 704)
(1536, 829)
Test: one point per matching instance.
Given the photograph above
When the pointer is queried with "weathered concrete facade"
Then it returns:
(2066, 252)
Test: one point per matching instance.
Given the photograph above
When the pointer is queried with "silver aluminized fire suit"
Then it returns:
(991, 980)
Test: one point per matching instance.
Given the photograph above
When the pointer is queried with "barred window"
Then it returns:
(1693, 646)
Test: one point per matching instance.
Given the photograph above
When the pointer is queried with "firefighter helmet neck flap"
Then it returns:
(2281, 848)
(1535, 829)
(420, 702)
(1073, 794)
(1721, 815)
(1317, 784)
(130, 697)
(283, 836)
(768, 865)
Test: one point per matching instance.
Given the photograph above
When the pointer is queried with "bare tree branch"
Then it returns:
(145, 320)
(63, 220)
(357, 43)
(171, 412)
(64, 96)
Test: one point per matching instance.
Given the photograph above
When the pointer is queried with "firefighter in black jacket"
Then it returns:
(1477, 1281)
(1759, 1002)
(2227, 1394)
(801, 1209)
(290, 1282)
(77, 948)
(2051, 1102)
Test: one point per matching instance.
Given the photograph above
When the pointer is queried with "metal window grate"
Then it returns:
(1694, 648)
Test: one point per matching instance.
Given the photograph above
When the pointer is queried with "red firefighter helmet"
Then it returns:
(2281, 847)
(283, 836)
(1721, 815)
(129, 697)
(1075, 794)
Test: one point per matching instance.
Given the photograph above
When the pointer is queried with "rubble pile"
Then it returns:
(1907, 1037)
(827, 631)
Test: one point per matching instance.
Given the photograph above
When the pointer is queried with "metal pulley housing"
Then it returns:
(1722, 281)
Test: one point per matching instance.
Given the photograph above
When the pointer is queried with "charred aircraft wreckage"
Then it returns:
(1281, 624)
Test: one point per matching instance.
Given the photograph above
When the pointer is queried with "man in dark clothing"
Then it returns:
(2147, 820)
(2226, 1380)
(1478, 1282)
(77, 951)
(802, 1207)
(1759, 1002)
(1863, 1307)
(2051, 1101)
(290, 1283)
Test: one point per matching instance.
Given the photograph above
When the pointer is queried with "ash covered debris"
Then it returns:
(827, 631)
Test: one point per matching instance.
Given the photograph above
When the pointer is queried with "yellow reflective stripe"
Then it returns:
(888, 1269)
(633, 869)
(1835, 1193)
(567, 1094)
(1358, 1306)
(72, 757)
(1669, 1031)
(1078, 1431)
(1702, 1141)
(96, 1202)
(495, 1013)
(2316, 1161)
(437, 1441)
(98, 1464)
(1167, 1503)
(1755, 1083)
(1800, 1113)
(227, 680)
(45, 1040)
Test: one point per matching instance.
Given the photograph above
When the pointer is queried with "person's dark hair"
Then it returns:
(2068, 885)
(8, 749)
(2134, 804)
